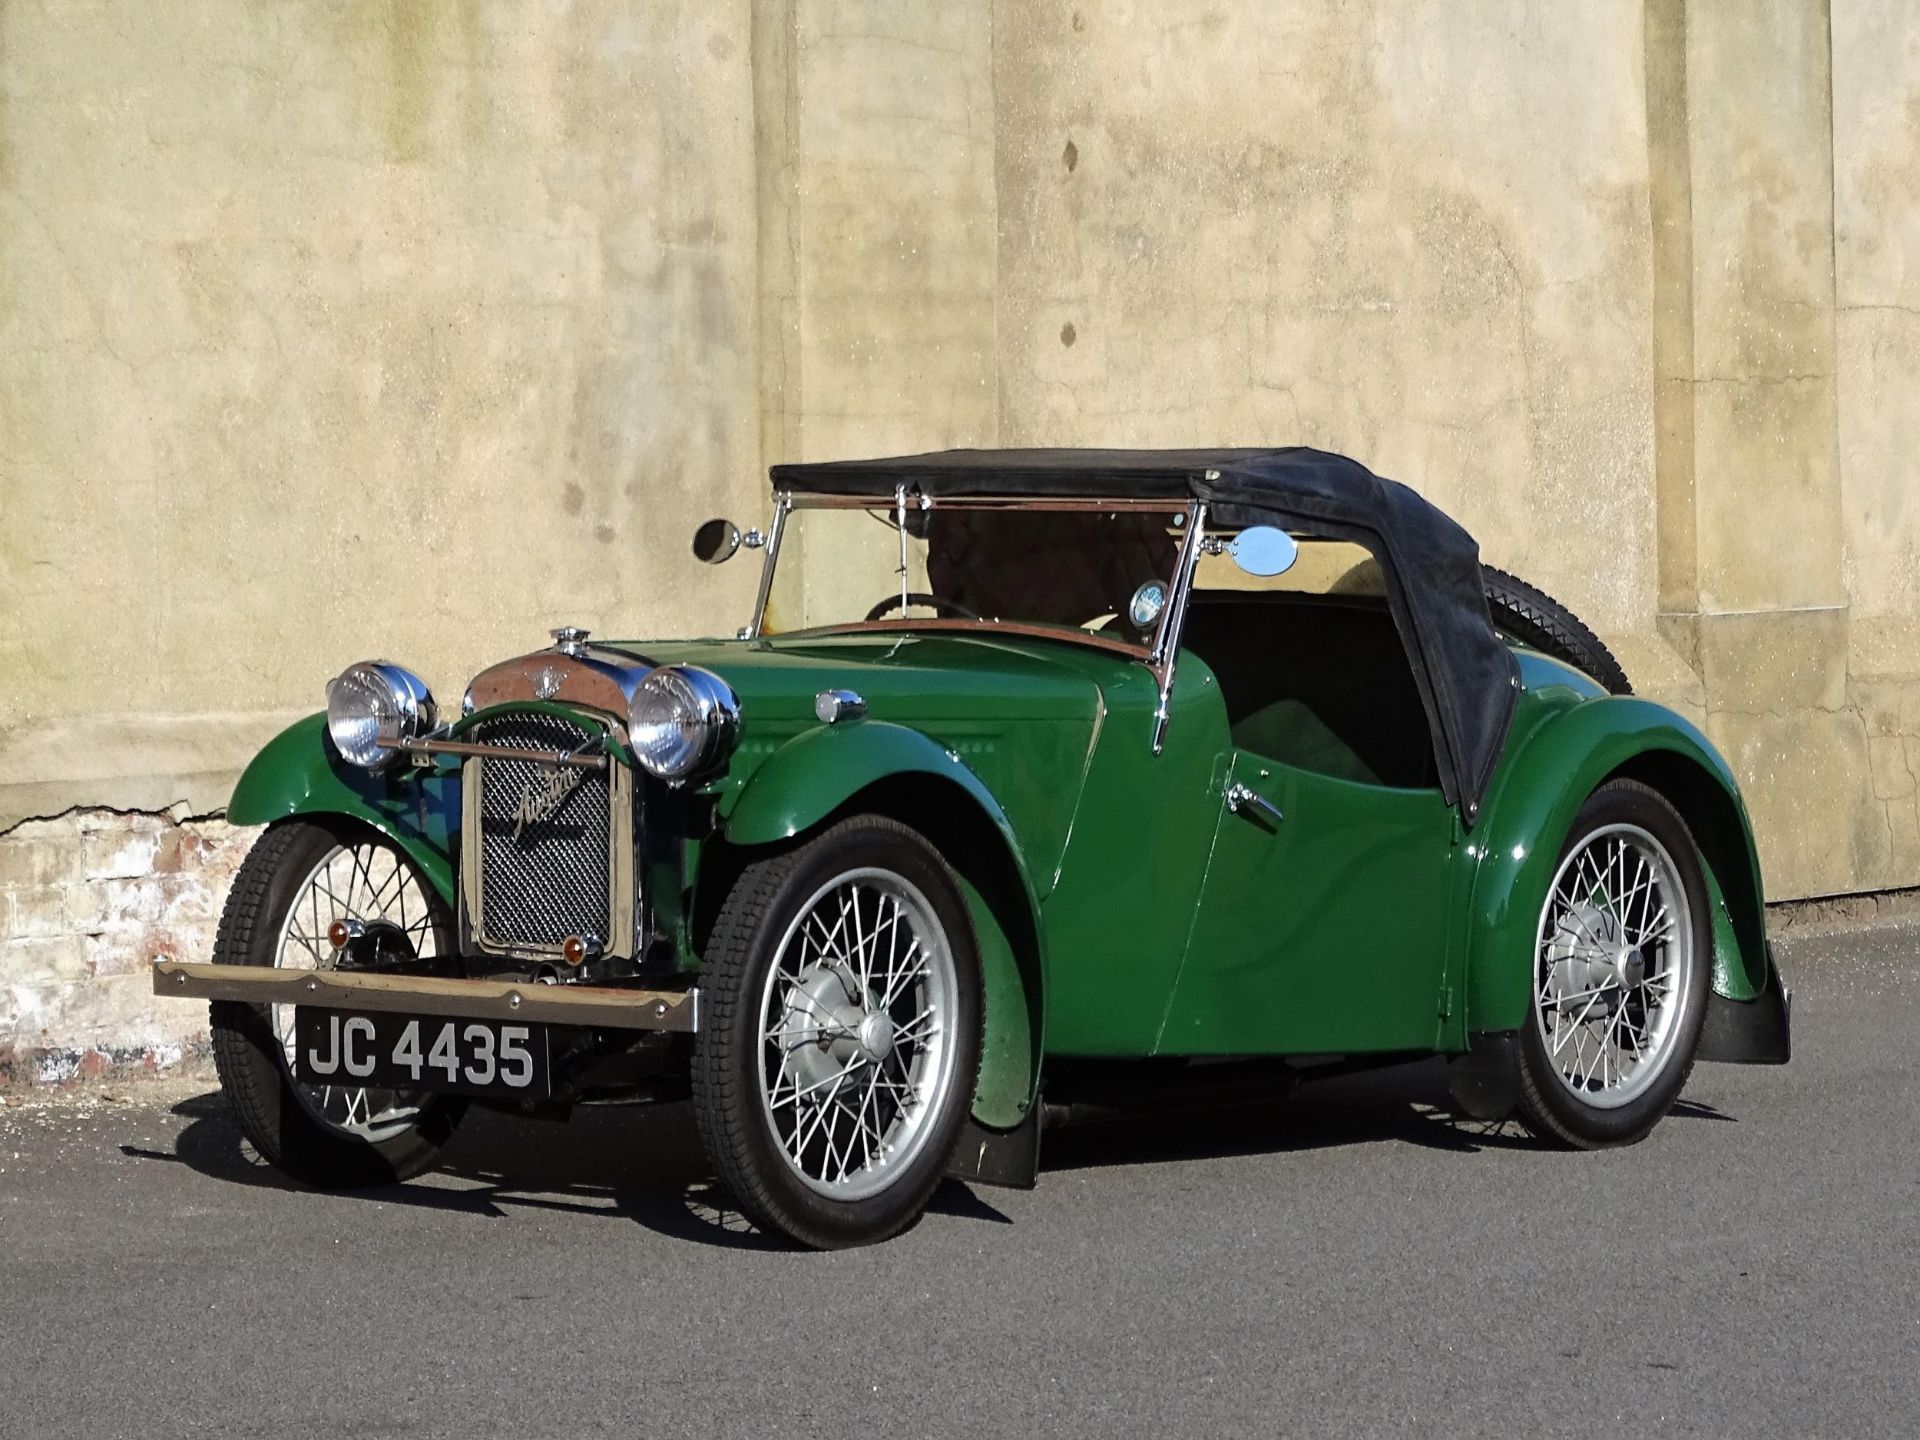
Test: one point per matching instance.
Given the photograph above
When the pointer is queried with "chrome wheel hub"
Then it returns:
(876, 1036)
(1614, 965)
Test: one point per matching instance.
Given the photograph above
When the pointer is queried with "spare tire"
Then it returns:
(1536, 619)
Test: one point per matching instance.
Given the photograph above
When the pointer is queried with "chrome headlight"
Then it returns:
(372, 707)
(683, 720)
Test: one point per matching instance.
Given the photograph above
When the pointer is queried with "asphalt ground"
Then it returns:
(1349, 1261)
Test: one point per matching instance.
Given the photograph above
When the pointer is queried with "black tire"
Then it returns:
(249, 1057)
(1548, 1105)
(1536, 619)
(730, 1107)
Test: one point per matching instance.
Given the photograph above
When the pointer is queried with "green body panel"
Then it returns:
(818, 770)
(1008, 726)
(1732, 977)
(1016, 716)
(1328, 931)
(1568, 738)
(1118, 915)
(1010, 1044)
(1054, 743)
(296, 774)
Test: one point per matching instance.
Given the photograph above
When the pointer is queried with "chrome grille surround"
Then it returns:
(547, 851)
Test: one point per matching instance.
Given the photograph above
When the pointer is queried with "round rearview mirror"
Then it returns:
(1147, 603)
(1263, 550)
(716, 541)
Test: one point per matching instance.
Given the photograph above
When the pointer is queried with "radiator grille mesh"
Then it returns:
(544, 838)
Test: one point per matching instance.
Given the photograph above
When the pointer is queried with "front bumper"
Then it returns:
(602, 1007)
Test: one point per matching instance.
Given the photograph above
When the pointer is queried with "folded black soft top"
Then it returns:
(1466, 673)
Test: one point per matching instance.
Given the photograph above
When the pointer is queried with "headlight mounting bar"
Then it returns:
(427, 745)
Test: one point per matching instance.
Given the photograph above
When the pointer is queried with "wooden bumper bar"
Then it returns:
(603, 1006)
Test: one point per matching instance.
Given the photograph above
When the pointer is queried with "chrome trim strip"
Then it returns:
(602, 1006)
(469, 747)
(804, 501)
(781, 505)
(986, 628)
(1166, 645)
(900, 524)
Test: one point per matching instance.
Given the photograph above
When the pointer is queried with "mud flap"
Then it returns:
(1485, 1081)
(999, 1157)
(1750, 1032)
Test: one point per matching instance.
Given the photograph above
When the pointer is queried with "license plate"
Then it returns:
(420, 1052)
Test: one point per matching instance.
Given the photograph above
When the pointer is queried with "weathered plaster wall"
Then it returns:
(1571, 270)
(331, 330)
(1783, 211)
(89, 900)
(1876, 197)
(1739, 106)
(1412, 232)
(328, 330)
(878, 250)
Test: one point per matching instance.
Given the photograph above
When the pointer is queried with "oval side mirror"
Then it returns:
(1263, 550)
(716, 541)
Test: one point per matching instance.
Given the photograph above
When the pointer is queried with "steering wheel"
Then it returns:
(898, 602)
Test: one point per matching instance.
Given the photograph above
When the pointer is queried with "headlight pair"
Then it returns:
(681, 721)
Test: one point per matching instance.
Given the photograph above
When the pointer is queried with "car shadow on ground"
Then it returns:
(643, 1164)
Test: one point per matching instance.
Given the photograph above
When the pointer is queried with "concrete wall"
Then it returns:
(389, 327)
(1876, 349)
(328, 330)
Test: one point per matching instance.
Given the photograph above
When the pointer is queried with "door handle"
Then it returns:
(1242, 799)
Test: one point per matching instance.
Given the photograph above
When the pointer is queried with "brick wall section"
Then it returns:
(89, 900)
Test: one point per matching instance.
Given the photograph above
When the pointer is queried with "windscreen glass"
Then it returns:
(1076, 570)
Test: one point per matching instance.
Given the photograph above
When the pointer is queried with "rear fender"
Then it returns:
(1540, 789)
(298, 773)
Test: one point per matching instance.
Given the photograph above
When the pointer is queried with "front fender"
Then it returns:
(820, 771)
(298, 773)
(813, 774)
(1536, 795)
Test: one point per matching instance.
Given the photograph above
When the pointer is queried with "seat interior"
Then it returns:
(1318, 682)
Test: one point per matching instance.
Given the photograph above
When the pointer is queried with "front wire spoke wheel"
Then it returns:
(851, 1054)
(299, 878)
(840, 1032)
(370, 883)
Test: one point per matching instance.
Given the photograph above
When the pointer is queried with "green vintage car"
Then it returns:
(1073, 773)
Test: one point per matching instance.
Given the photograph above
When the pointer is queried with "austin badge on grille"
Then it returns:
(543, 795)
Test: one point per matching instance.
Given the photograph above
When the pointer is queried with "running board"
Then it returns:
(605, 1007)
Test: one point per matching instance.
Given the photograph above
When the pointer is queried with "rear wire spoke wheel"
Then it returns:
(840, 1040)
(1622, 962)
(299, 878)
